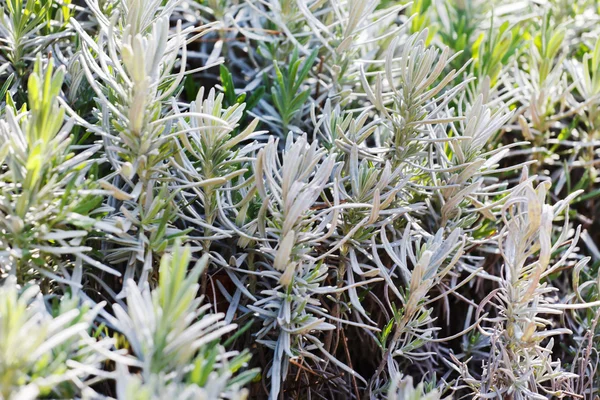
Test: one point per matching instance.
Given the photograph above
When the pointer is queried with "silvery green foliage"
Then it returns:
(169, 331)
(326, 190)
(545, 83)
(141, 53)
(586, 96)
(156, 387)
(47, 202)
(209, 158)
(46, 352)
(521, 364)
(28, 27)
(411, 330)
(402, 388)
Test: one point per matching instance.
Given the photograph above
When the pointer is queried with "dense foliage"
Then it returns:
(299, 199)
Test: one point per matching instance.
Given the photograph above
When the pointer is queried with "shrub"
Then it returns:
(205, 199)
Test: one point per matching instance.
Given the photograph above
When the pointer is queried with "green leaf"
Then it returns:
(228, 87)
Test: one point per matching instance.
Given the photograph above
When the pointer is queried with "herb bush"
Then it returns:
(299, 199)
